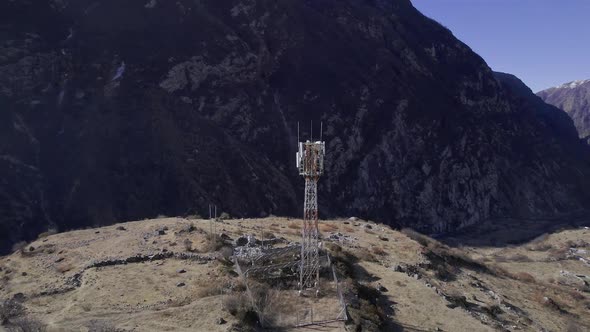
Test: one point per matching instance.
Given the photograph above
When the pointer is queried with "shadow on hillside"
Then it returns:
(506, 232)
(399, 327)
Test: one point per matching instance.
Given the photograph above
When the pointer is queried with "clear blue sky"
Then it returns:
(543, 42)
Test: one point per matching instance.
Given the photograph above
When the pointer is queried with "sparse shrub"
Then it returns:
(239, 306)
(161, 216)
(234, 303)
(572, 326)
(333, 248)
(441, 254)
(10, 309)
(226, 252)
(224, 216)
(268, 235)
(213, 243)
(418, 237)
(540, 247)
(493, 310)
(456, 299)
(266, 303)
(524, 276)
(443, 272)
(364, 254)
(86, 306)
(27, 324)
(210, 290)
(49, 232)
(328, 227)
(539, 239)
(64, 267)
(520, 258)
(558, 254)
(101, 326)
(538, 244)
(188, 245)
(379, 251)
(575, 295)
(19, 246)
(500, 258)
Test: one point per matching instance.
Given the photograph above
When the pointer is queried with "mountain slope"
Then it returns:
(120, 111)
(574, 98)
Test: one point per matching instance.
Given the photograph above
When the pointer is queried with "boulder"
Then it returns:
(241, 241)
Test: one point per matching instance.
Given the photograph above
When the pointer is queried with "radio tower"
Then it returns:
(310, 163)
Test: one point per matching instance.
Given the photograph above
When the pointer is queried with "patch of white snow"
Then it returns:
(120, 71)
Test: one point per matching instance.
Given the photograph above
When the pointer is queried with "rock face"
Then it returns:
(574, 98)
(122, 110)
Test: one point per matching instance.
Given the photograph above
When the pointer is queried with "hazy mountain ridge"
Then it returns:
(120, 111)
(574, 98)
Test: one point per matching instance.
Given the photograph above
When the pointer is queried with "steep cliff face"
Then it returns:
(574, 98)
(123, 110)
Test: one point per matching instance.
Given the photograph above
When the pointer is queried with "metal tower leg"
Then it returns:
(309, 272)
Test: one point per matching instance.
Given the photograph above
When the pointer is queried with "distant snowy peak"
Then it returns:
(574, 99)
(572, 85)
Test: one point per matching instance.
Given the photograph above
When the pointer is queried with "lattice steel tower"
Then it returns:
(310, 162)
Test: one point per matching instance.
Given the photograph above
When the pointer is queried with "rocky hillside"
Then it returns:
(171, 274)
(574, 98)
(124, 110)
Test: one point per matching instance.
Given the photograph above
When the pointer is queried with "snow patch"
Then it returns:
(120, 71)
(573, 85)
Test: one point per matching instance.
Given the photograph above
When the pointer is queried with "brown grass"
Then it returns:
(294, 225)
(418, 237)
(64, 267)
(558, 254)
(213, 242)
(540, 247)
(364, 254)
(500, 258)
(210, 290)
(234, 303)
(188, 244)
(378, 251)
(525, 277)
(520, 258)
(328, 227)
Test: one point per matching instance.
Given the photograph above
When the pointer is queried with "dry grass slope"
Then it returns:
(171, 274)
